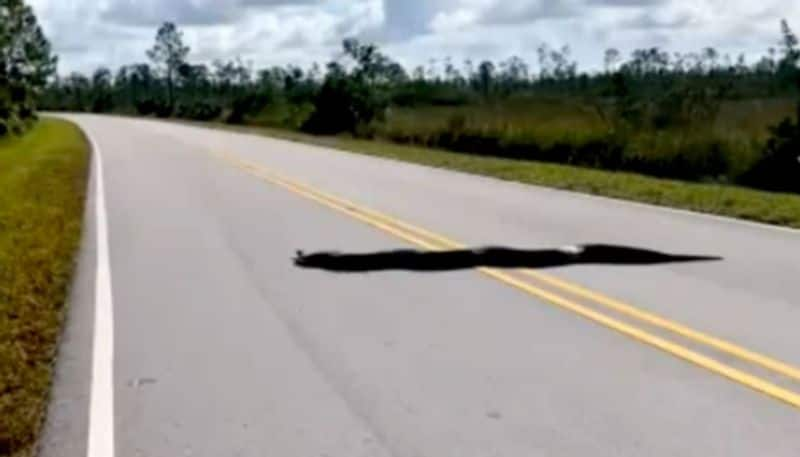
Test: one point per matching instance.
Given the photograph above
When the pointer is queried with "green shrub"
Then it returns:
(199, 111)
(103, 103)
(344, 104)
(779, 167)
(245, 106)
(163, 109)
(156, 107)
(145, 107)
(672, 154)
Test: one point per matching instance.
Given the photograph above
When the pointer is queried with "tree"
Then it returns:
(102, 94)
(142, 84)
(647, 62)
(611, 59)
(373, 67)
(168, 54)
(787, 67)
(485, 77)
(195, 80)
(26, 63)
(78, 89)
(789, 42)
(514, 74)
(564, 68)
(348, 102)
(711, 56)
(778, 169)
(556, 64)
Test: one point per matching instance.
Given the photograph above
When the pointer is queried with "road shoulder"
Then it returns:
(66, 427)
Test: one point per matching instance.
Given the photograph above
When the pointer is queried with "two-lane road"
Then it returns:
(218, 345)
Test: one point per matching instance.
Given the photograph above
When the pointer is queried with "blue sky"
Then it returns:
(90, 33)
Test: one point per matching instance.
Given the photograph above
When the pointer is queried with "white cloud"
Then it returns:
(445, 22)
(531, 11)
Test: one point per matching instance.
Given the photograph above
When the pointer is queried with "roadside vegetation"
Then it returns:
(43, 170)
(43, 179)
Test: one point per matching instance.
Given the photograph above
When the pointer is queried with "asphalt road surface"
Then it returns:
(210, 341)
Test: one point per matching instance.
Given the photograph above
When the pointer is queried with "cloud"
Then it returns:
(88, 33)
(455, 20)
(145, 13)
(650, 21)
(408, 19)
(187, 12)
(404, 19)
(628, 3)
(531, 11)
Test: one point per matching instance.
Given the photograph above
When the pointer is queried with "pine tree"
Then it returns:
(169, 54)
(26, 63)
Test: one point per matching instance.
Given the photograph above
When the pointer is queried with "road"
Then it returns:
(217, 344)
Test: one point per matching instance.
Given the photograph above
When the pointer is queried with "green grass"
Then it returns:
(732, 201)
(42, 188)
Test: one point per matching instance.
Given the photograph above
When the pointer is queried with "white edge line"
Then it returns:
(101, 406)
(618, 201)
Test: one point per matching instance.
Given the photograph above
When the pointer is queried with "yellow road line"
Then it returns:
(625, 309)
(397, 228)
(653, 319)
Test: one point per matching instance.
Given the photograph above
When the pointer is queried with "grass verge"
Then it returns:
(43, 179)
(724, 200)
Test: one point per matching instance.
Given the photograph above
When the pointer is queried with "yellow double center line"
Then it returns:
(434, 242)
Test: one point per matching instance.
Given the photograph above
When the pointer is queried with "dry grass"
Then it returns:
(563, 116)
(43, 182)
(530, 127)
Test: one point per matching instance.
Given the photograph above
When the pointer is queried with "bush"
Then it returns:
(344, 104)
(199, 111)
(281, 114)
(145, 107)
(103, 103)
(779, 167)
(670, 155)
(164, 110)
(246, 105)
(160, 108)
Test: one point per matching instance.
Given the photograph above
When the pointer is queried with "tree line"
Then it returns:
(650, 93)
(26, 63)
(650, 90)
(365, 82)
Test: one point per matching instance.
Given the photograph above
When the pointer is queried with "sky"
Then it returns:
(87, 34)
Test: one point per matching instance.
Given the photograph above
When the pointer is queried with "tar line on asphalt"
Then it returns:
(101, 402)
(428, 240)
